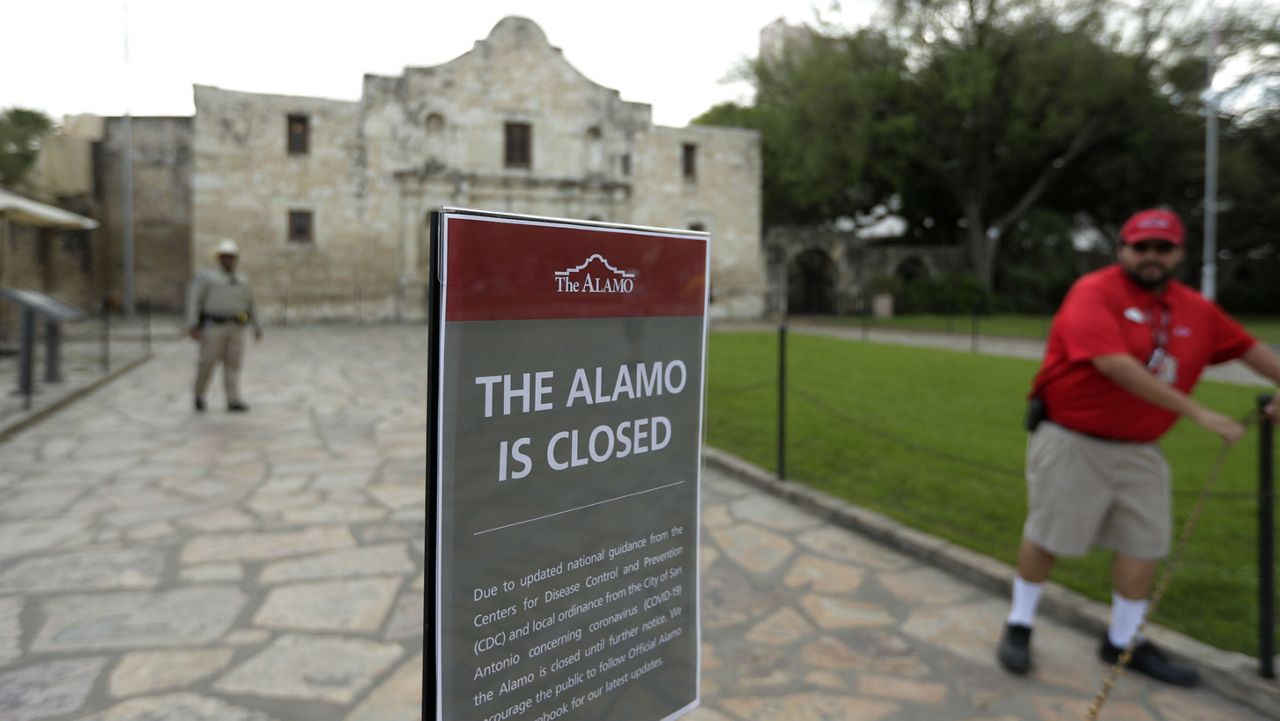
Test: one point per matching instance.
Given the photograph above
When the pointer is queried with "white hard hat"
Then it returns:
(228, 247)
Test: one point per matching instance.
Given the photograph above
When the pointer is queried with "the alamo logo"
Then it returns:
(595, 275)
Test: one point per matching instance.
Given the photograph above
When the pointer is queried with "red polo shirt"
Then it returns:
(1106, 312)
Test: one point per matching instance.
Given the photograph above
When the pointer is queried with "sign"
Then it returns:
(567, 401)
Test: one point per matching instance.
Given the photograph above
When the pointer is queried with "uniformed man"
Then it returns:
(219, 306)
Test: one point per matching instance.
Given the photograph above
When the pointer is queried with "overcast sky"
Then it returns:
(67, 56)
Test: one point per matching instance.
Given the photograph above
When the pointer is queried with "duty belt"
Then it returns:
(240, 318)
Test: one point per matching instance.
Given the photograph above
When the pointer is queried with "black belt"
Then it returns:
(240, 319)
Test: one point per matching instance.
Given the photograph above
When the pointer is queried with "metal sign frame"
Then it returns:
(632, 695)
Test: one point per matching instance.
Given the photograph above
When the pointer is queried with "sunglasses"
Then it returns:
(1162, 248)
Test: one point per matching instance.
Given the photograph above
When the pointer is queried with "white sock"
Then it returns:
(1126, 617)
(1026, 596)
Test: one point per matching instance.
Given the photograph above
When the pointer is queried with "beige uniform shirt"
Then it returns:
(216, 292)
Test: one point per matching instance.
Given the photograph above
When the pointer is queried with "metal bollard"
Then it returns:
(146, 309)
(1266, 543)
(52, 351)
(26, 357)
(106, 336)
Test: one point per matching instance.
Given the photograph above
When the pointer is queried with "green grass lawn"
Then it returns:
(1265, 328)
(933, 438)
(1012, 325)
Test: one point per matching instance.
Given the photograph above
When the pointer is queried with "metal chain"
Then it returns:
(1166, 576)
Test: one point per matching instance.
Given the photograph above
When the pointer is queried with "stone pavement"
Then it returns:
(158, 564)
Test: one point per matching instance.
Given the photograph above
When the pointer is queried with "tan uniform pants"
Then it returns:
(221, 343)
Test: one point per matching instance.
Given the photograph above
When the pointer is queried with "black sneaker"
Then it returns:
(1014, 651)
(199, 404)
(1149, 660)
(238, 407)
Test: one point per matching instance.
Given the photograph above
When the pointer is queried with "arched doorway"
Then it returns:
(811, 283)
(912, 269)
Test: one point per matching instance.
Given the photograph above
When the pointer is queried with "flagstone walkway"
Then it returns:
(159, 564)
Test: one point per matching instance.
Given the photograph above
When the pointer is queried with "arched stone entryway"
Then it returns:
(811, 283)
(912, 269)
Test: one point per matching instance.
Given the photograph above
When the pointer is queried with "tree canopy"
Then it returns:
(21, 131)
(1005, 117)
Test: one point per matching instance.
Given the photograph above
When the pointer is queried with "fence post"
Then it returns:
(106, 336)
(52, 351)
(26, 357)
(974, 331)
(864, 315)
(146, 331)
(1266, 543)
(782, 402)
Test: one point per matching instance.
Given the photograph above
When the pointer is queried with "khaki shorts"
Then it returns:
(1084, 491)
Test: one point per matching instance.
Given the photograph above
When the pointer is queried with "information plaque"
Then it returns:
(565, 438)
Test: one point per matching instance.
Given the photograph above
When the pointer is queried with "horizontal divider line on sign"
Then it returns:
(577, 508)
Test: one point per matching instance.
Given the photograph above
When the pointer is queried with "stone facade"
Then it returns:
(823, 270)
(509, 126)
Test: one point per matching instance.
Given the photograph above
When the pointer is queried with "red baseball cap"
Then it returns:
(1153, 224)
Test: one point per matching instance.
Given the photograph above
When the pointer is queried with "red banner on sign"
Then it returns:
(498, 269)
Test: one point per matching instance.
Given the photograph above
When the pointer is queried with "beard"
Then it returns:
(1150, 281)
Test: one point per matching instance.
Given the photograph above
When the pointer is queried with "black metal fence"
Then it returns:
(1266, 542)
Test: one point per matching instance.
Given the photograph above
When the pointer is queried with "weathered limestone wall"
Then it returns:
(162, 208)
(246, 183)
(856, 263)
(435, 137)
(723, 197)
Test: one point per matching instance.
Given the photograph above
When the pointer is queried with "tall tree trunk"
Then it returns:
(982, 242)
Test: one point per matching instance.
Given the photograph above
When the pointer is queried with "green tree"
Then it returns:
(827, 122)
(980, 113)
(1249, 182)
(21, 131)
(1007, 96)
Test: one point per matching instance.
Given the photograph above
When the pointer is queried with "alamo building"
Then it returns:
(329, 199)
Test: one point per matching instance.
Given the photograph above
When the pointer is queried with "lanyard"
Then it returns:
(1161, 336)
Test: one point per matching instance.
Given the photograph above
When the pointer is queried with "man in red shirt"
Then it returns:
(1125, 351)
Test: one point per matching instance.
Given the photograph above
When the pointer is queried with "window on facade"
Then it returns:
(298, 131)
(689, 160)
(519, 145)
(301, 226)
(625, 162)
(595, 151)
